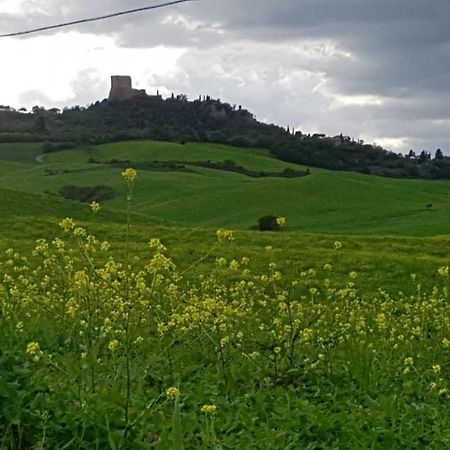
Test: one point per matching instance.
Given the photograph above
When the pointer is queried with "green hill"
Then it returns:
(324, 201)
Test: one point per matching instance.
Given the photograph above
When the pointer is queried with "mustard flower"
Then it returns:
(72, 310)
(79, 232)
(209, 409)
(173, 392)
(154, 243)
(67, 224)
(113, 345)
(224, 235)
(436, 368)
(409, 361)
(129, 175)
(221, 262)
(33, 348)
(95, 207)
(443, 271)
(281, 221)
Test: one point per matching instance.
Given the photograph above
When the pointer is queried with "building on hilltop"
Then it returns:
(121, 88)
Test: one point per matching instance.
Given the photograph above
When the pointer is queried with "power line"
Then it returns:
(93, 19)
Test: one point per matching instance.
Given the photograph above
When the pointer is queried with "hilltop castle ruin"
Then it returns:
(121, 88)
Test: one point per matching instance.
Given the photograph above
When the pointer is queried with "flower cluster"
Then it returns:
(129, 175)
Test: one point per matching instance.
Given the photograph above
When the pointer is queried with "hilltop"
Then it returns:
(130, 114)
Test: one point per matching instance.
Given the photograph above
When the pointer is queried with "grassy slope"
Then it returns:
(358, 207)
(20, 152)
(328, 202)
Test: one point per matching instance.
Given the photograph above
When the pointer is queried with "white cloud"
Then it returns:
(11, 6)
(50, 65)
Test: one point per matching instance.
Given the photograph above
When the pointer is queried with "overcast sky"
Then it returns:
(377, 70)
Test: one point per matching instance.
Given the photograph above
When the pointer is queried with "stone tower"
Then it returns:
(121, 88)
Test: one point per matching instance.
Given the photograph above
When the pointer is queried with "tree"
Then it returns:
(423, 157)
(439, 155)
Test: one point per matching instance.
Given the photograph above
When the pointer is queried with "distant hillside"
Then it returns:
(182, 190)
(176, 119)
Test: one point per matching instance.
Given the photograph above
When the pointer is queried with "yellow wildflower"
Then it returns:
(129, 175)
(67, 224)
(281, 221)
(173, 392)
(443, 271)
(33, 348)
(277, 276)
(113, 345)
(409, 361)
(95, 207)
(224, 235)
(436, 368)
(209, 409)
(72, 310)
(337, 245)
(234, 265)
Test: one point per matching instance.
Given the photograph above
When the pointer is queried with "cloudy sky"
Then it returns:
(377, 70)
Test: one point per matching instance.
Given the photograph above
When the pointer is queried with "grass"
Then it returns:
(302, 346)
(324, 202)
(295, 347)
(20, 152)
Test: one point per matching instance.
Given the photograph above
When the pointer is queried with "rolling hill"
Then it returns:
(324, 201)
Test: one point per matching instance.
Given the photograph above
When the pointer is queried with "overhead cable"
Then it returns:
(94, 19)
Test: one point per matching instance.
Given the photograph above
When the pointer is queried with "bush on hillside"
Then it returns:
(268, 223)
(87, 193)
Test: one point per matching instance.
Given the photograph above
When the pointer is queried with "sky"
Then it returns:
(377, 70)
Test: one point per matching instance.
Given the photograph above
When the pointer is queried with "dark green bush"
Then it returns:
(87, 193)
(268, 223)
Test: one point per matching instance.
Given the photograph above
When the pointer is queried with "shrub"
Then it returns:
(268, 223)
(87, 193)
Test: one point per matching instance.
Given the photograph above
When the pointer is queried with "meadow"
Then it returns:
(164, 321)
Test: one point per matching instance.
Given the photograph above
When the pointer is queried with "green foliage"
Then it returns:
(91, 340)
(87, 193)
(268, 223)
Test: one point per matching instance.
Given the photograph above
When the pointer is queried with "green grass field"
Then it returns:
(324, 202)
(292, 342)
(387, 230)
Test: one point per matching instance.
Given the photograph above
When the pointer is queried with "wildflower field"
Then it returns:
(249, 341)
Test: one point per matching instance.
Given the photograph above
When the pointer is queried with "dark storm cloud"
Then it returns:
(370, 68)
